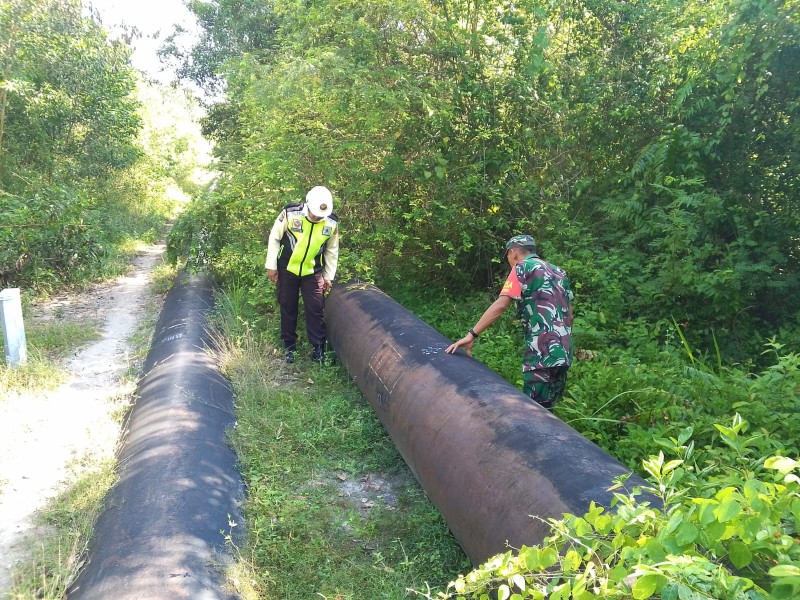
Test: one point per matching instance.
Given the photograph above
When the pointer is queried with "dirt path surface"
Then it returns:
(46, 440)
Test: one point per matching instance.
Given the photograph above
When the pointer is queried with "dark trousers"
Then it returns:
(290, 286)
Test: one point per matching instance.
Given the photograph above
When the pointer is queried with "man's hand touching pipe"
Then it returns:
(466, 342)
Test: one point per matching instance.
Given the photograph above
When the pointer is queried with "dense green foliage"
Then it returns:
(76, 177)
(727, 540)
(652, 149)
(650, 146)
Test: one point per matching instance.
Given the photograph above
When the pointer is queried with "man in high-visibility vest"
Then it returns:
(302, 257)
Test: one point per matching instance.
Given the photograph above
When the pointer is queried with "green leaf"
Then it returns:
(670, 592)
(686, 534)
(731, 529)
(687, 593)
(548, 558)
(618, 573)
(531, 558)
(684, 435)
(657, 550)
(740, 554)
(728, 510)
(781, 591)
(713, 531)
(647, 585)
(750, 528)
(560, 592)
(785, 571)
(781, 464)
(571, 561)
(602, 524)
(707, 508)
(675, 520)
(582, 527)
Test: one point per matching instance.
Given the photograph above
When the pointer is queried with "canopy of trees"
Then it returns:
(651, 147)
(75, 180)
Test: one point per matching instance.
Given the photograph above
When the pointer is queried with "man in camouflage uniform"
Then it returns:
(543, 296)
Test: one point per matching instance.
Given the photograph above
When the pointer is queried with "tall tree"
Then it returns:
(229, 29)
(70, 109)
(68, 124)
(652, 145)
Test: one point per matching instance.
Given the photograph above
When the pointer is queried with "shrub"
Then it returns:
(732, 536)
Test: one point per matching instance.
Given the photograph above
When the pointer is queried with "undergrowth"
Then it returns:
(714, 441)
(724, 436)
(725, 532)
(332, 511)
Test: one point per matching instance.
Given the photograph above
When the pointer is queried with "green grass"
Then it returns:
(65, 527)
(58, 339)
(163, 276)
(47, 343)
(332, 511)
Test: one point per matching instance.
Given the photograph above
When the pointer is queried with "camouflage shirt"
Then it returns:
(543, 297)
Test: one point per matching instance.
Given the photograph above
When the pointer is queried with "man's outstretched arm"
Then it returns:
(489, 316)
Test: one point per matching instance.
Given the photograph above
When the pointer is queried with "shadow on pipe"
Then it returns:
(160, 536)
(488, 457)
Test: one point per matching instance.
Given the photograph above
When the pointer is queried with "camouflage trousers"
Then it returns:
(545, 386)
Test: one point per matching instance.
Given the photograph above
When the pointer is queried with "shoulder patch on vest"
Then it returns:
(327, 230)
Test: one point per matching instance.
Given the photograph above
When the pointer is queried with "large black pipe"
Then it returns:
(161, 536)
(487, 457)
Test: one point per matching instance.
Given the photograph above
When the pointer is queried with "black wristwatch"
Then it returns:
(472, 331)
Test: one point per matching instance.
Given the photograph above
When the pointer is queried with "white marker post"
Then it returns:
(13, 327)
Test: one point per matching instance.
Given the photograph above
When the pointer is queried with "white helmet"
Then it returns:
(319, 201)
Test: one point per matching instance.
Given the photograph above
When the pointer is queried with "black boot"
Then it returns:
(318, 352)
(289, 354)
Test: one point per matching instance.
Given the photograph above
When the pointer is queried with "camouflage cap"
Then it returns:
(520, 240)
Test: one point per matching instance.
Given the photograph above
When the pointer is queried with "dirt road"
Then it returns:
(48, 441)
